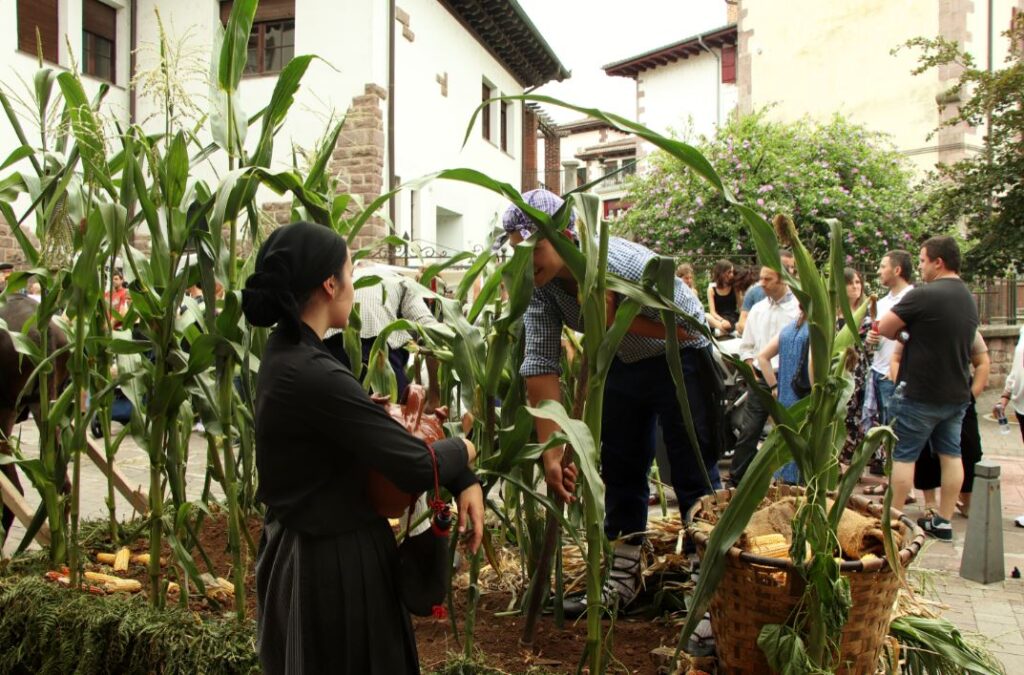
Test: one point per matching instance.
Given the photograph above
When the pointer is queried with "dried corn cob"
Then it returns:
(114, 584)
(768, 546)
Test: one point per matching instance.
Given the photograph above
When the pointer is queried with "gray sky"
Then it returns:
(586, 34)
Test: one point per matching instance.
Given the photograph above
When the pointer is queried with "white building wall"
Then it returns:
(18, 68)
(680, 98)
(348, 36)
(430, 129)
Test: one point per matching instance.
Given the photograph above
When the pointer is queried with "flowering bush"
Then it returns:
(812, 171)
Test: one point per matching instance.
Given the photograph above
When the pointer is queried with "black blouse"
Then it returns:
(318, 433)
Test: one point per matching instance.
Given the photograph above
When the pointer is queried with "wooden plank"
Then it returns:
(137, 498)
(16, 503)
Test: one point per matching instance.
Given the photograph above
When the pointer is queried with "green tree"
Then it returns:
(984, 192)
(813, 171)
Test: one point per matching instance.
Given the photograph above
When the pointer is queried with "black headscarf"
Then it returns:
(293, 260)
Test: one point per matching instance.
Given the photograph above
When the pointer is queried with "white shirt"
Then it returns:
(383, 303)
(1015, 380)
(886, 347)
(766, 319)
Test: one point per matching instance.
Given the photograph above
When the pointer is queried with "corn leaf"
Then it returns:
(280, 101)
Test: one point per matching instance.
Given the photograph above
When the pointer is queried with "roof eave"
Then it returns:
(660, 56)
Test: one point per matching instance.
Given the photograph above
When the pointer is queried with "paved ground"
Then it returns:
(996, 611)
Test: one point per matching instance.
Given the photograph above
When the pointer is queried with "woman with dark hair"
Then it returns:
(854, 409)
(326, 572)
(723, 299)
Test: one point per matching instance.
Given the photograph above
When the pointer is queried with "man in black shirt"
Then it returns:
(941, 319)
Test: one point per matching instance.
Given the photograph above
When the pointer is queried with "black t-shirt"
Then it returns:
(941, 318)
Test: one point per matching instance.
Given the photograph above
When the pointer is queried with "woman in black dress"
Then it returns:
(723, 299)
(326, 580)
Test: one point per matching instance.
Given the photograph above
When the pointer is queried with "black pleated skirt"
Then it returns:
(330, 604)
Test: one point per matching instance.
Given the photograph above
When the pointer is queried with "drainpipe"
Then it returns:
(392, 209)
(718, 80)
(133, 35)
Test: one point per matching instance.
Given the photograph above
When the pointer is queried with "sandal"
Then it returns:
(876, 490)
(702, 640)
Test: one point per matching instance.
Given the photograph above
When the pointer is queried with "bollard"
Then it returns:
(982, 559)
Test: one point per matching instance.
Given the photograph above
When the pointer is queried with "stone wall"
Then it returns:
(358, 161)
(10, 251)
(530, 130)
(1001, 341)
(553, 163)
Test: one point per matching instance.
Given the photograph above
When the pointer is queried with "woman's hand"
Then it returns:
(471, 514)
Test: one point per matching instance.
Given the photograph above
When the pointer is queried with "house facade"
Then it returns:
(814, 59)
(406, 75)
(589, 150)
(686, 88)
(847, 65)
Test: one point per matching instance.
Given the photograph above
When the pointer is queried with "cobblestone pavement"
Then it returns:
(996, 611)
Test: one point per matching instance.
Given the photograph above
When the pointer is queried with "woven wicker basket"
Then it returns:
(756, 591)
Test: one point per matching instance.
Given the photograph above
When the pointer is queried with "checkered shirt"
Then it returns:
(552, 307)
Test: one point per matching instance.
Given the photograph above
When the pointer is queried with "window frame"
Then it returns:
(269, 12)
(259, 29)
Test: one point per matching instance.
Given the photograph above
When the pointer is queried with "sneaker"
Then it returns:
(937, 527)
(621, 587)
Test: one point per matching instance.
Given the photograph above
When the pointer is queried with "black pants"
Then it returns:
(755, 415)
(637, 396)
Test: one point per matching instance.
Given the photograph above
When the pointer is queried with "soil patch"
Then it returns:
(555, 650)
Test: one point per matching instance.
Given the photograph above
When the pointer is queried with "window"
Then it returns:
(581, 175)
(506, 130)
(38, 15)
(99, 32)
(729, 64)
(272, 39)
(610, 165)
(485, 113)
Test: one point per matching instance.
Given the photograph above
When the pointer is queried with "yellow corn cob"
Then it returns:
(105, 558)
(121, 560)
(867, 557)
(114, 584)
(226, 585)
(173, 588)
(143, 559)
(769, 546)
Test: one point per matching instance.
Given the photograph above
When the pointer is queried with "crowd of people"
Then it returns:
(318, 432)
(921, 365)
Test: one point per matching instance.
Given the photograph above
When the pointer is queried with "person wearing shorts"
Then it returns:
(940, 319)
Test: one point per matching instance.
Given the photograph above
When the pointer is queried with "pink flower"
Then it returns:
(760, 202)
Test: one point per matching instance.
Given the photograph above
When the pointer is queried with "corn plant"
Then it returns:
(811, 432)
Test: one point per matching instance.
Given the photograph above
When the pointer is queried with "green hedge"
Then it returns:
(45, 628)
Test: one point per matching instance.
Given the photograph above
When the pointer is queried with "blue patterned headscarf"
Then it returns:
(515, 221)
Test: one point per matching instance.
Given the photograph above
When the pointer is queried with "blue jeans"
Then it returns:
(917, 422)
(636, 396)
(884, 387)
